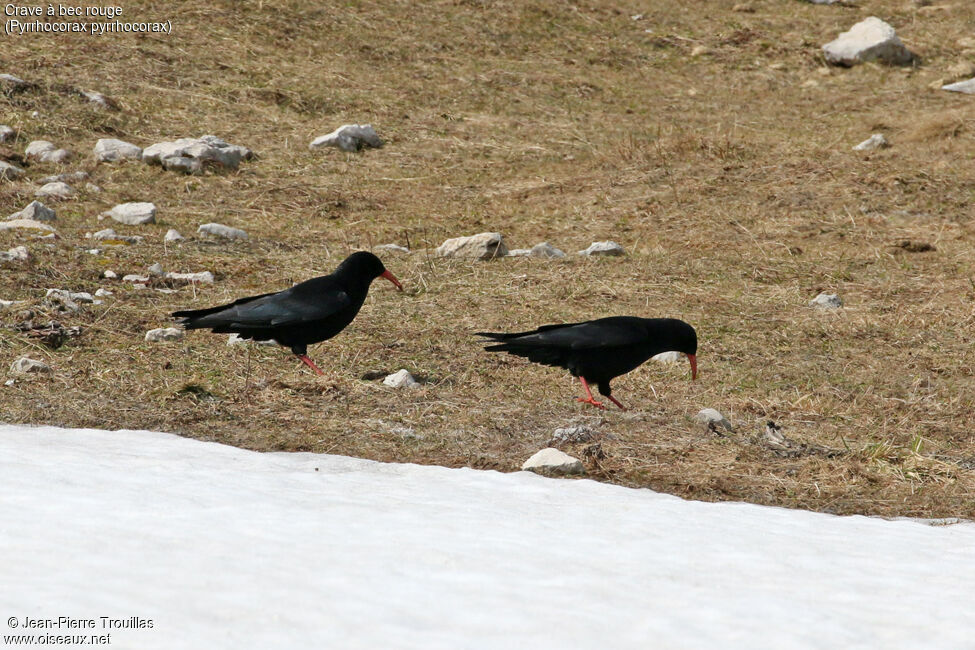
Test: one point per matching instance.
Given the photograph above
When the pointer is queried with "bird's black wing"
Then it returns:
(554, 345)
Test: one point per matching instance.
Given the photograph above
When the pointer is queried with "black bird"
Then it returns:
(600, 350)
(310, 312)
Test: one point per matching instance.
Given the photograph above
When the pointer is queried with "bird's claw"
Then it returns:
(589, 400)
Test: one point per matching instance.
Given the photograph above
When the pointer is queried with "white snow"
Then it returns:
(226, 548)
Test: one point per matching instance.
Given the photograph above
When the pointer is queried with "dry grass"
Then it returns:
(727, 175)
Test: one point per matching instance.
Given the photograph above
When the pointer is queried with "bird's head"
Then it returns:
(366, 266)
(678, 336)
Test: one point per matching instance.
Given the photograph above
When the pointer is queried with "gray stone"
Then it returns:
(58, 191)
(713, 417)
(519, 252)
(220, 230)
(164, 334)
(101, 293)
(827, 301)
(36, 211)
(25, 365)
(67, 177)
(553, 462)
(546, 250)
(393, 248)
(9, 172)
(111, 150)
(869, 40)
(27, 224)
(109, 236)
(603, 248)
(967, 87)
(235, 339)
(108, 274)
(401, 379)
(173, 235)
(667, 357)
(135, 278)
(15, 254)
(349, 137)
(12, 82)
(133, 214)
(45, 152)
(207, 149)
(875, 141)
(183, 164)
(100, 100)
(573, 434)
(7, 133)
(483, 246)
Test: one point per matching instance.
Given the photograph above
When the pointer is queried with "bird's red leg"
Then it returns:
(615, 401)
(589, 399)
(311, 364)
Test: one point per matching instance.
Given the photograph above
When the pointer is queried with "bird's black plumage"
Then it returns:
(309, 312)
(599, 350)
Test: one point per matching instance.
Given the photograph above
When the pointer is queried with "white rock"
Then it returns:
(201, 277)
(573, 434)
(45, 152)
(182, 164)
(967, 87)
(546, 250)
(870, 39)
(207, 149)
(67, 177)
(349, 137)
(519, 252)
(164, 334)
(100, 100)
(24, 365)
(552, 461)
(109, 274)
(393, 248)
(234, 339)
(35, 211)
(220, 230)
(58, 191)
(77, 296)
(827, 301)
(875, 141)
(109, 236)
(13, 82)
(173, 235)
(135, 278)
(101, 293)
(133, 214)
(7, 133)
(667, 357)
(484, 246)
(401, 379)
(15, 254)
(28, 224)
(4, 304)
(9, 172)
(605, 248)
(110, 150)
(713, 416)
(156, 269)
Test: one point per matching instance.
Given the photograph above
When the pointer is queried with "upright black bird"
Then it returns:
(600, 350)
(310, 312)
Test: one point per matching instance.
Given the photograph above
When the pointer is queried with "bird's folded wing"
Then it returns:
(286, 310)
(582, 336)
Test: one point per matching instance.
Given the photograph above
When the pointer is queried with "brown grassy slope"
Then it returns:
(725, 171)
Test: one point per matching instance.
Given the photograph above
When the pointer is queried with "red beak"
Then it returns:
(693, 359)
(392, 278)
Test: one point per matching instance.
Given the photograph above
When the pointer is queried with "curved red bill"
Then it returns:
(392, 278)
(693, 359)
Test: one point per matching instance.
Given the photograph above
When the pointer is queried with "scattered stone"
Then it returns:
(103, 101)
(137, 279)
(826, 301)
(133, 214)
(207, 150)
(519, 252)
(182, 164)
(7, 133)
(45, 152)
(235, 339)
(25, 365)
(573, 434)
(220, 230)
(101, 293)
(967, 87)
(10, 82)
(604, 248)
(870, 39)
(67, 177)
(109, 274)
(401, 379)
(58, 191)
(173, 235)
(713, 419)
(349, 137)
(35, 211)
(29, 224)
(110, 150)
(393, 248)
(202, 277)
(156, 269)
(64, 300)
(483, 246)
(667, 357)
(15, 254)
(875, 141)
(110, 237)
(546, 250)
(5, 304)
(551, 461)
(9, 172)
(164, 334)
